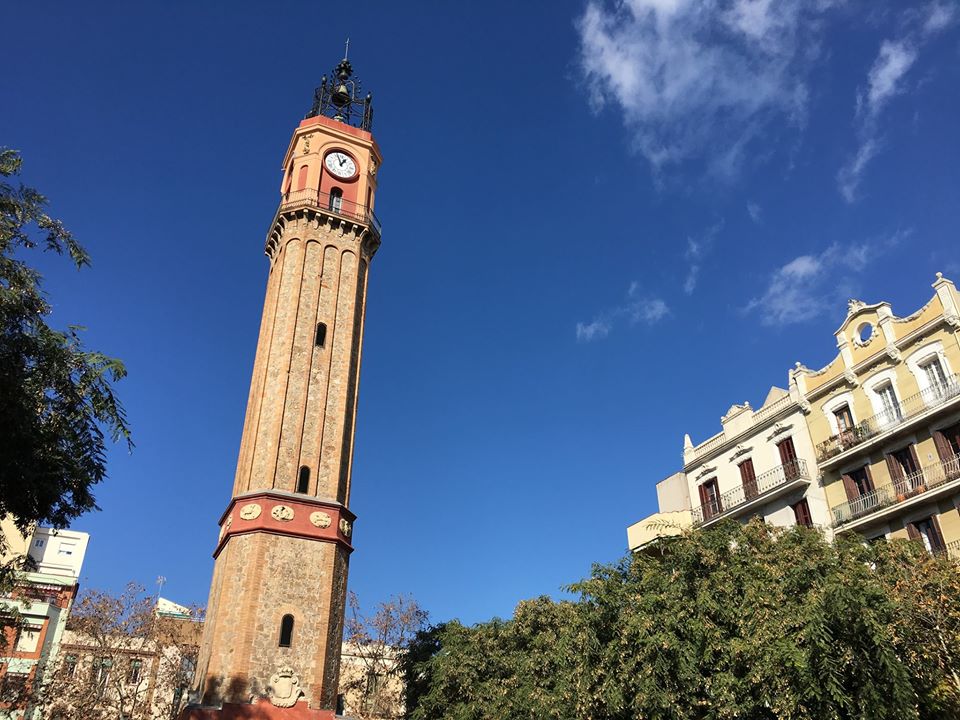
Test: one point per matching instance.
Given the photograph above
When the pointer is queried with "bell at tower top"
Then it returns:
(342, 99)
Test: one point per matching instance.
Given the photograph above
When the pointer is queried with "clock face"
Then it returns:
(341, 165)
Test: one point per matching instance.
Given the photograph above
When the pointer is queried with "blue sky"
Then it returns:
(603, 225)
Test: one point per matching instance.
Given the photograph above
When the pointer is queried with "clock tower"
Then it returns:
(274, 621)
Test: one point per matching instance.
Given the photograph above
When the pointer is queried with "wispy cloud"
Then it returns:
(697, 249)
(810, 285)
(885, 80)
(755, 212)
(636, 308)
(700, 79)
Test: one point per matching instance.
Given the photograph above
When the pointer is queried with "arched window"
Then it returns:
(286, 631)
(321, 334)
(303, 480)
(302, 178)
(336, 199)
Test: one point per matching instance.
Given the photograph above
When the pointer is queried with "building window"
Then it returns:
(844, 418)
(14, 686)
(303, 480)
(371, 695)
(28, 637)
(710, 499)
(321, 337)
(857, 483)
(927, 531)
(788, 459)
(70, 666)
(302, 178)
(891, 407)
(904, 469)
(936, 378)
(749, 479)
(66, 549)
(336, 200)
(801, 513)
(286, 631)
(135, 672)
(101, 671)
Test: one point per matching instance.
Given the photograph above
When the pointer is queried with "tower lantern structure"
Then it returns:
(274, 622)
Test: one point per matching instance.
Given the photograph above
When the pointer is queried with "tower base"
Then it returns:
(260, 710)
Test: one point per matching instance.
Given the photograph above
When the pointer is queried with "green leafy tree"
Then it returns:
(740, 622)
(56, 397)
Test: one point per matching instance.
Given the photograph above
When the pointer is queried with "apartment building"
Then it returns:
(869, 444)
(762, 462)
(884, 416)
(42, 598)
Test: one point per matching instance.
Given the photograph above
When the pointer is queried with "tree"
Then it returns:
(747, 622)
(121, 658)
(56, 397)
(370, 675)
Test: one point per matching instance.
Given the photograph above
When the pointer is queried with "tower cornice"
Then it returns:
(366, 234)
(284, 513)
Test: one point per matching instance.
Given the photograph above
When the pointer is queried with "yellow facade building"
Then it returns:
(884, 416)
(868, 444)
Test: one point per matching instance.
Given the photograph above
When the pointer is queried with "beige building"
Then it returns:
(371, 688)
(874, 439)
(884, 416)
(762, 463)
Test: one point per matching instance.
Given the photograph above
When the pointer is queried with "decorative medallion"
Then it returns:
(345, 527)
(282, 512)
(285, 687)
(250, 511)
(226, 526)
(320, 519)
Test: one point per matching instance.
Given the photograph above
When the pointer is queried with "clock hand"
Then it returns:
(342, 161)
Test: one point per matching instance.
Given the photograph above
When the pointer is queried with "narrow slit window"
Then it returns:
(321, 334)
(303, 480)
(286, 631)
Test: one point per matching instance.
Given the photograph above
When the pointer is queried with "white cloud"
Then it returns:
(755, 212)
(939, 16)
(892, 63)
(811, 285)
(635, 309)
(699, 79)
(697, 248)
(885, 80)
(596, 330)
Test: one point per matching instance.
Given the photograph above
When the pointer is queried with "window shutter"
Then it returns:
(703, 502)
(866, 471)
(850, 487)
(896, 474)
(937, 540)
(943, 445)
(913, 533)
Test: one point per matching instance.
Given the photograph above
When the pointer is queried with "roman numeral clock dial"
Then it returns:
(341, 165)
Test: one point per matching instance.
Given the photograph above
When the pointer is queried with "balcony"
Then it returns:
(768, 486)
(926, 483)
(356, 212)
(904, 414)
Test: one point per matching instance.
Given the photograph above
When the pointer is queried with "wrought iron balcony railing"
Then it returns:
(729, 501)
(900, 490)
(331, 203)
(909, 408)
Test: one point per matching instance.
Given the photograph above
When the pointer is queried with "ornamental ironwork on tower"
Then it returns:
(342, 98)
